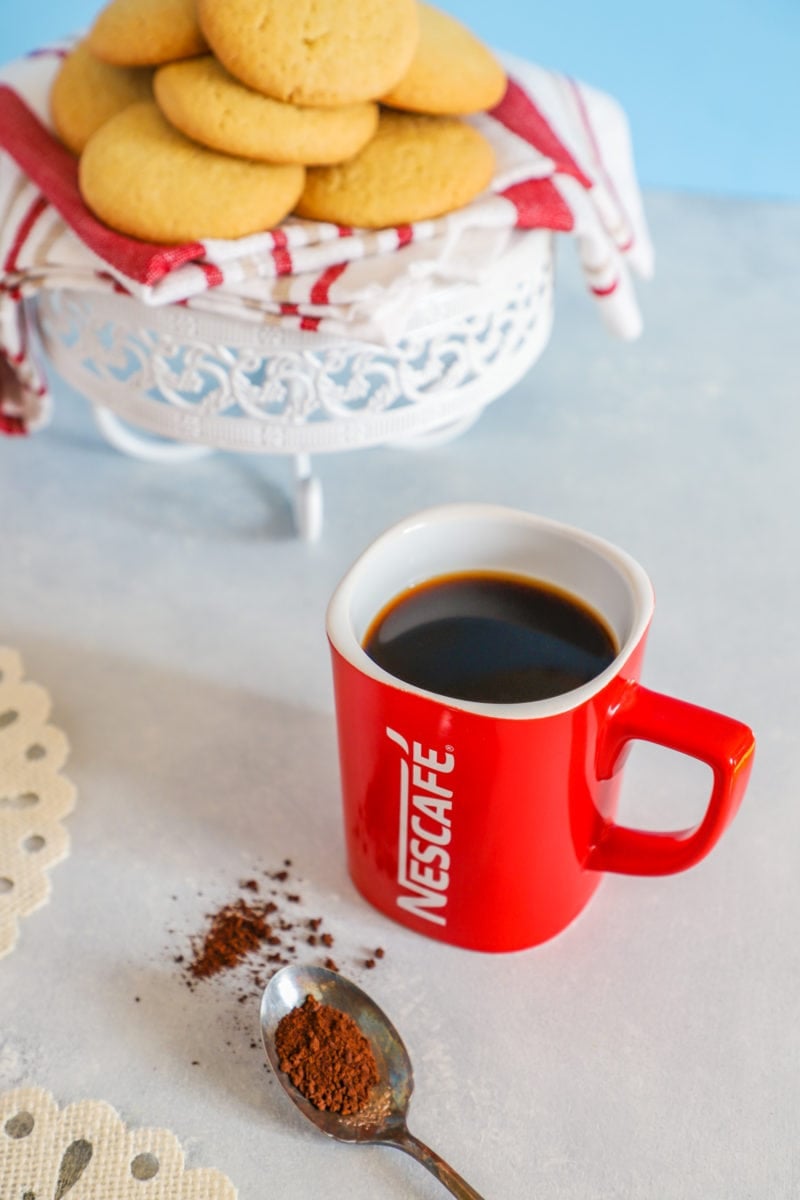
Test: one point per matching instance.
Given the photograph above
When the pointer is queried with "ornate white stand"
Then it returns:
(205, 382)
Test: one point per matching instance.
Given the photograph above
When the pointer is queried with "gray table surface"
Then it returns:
(653, 1050)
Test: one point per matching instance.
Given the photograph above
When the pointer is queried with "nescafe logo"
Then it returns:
(425, 808)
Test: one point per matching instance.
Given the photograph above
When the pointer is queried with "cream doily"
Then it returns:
(34, 797)
(85, 1152)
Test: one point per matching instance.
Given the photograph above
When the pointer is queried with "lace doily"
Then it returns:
(85, 1150)
(34, 797)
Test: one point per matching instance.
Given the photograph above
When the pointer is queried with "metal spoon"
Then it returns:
(382, 1121)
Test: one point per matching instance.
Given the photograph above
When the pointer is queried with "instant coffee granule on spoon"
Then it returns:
(326, 1056)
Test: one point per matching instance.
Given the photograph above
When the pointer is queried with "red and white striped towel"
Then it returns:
(564, 163)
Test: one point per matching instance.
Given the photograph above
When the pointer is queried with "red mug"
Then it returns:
(489, 826)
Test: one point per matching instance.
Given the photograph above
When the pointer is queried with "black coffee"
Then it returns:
(490, 637)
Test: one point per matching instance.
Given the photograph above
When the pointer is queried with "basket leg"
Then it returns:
(307, 502)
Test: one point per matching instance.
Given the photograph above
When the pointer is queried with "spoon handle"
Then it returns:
(457, 1186)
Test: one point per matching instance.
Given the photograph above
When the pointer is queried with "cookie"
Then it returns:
(199, 97)
(416, 167)
(140, 33)
(320, 52)
(452, 71)
(144, 178)
(87, 92)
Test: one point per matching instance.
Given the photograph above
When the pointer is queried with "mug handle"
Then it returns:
(726, 745)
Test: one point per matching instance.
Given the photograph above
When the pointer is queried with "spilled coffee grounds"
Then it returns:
(262, 928)
(235, 931)
(326, 1056)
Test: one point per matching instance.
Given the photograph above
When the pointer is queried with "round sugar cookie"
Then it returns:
(144, 178)
(452, 71)
(321, 52)
(416, 167)
(141, 33)
(87, 92)
(199, 97)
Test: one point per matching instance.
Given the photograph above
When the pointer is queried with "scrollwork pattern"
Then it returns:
(173, 360)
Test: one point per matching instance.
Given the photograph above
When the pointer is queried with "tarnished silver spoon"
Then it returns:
(382, 1122)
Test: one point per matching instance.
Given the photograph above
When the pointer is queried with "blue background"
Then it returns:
(711, 87)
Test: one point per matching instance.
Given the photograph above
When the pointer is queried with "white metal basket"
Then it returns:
(200, 382)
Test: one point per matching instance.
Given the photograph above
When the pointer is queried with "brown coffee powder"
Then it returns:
(326, 1056)
(259, 935)
(235, 931)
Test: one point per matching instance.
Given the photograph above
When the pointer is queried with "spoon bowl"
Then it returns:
(390, 1096)
(382, 1121)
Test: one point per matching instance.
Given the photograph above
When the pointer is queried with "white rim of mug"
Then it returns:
(343, 638)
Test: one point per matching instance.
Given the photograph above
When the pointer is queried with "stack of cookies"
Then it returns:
(198, 119)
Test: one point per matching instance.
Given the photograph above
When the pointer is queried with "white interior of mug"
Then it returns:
(470, 537)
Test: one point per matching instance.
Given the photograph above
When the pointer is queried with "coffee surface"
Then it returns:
(490, 637)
